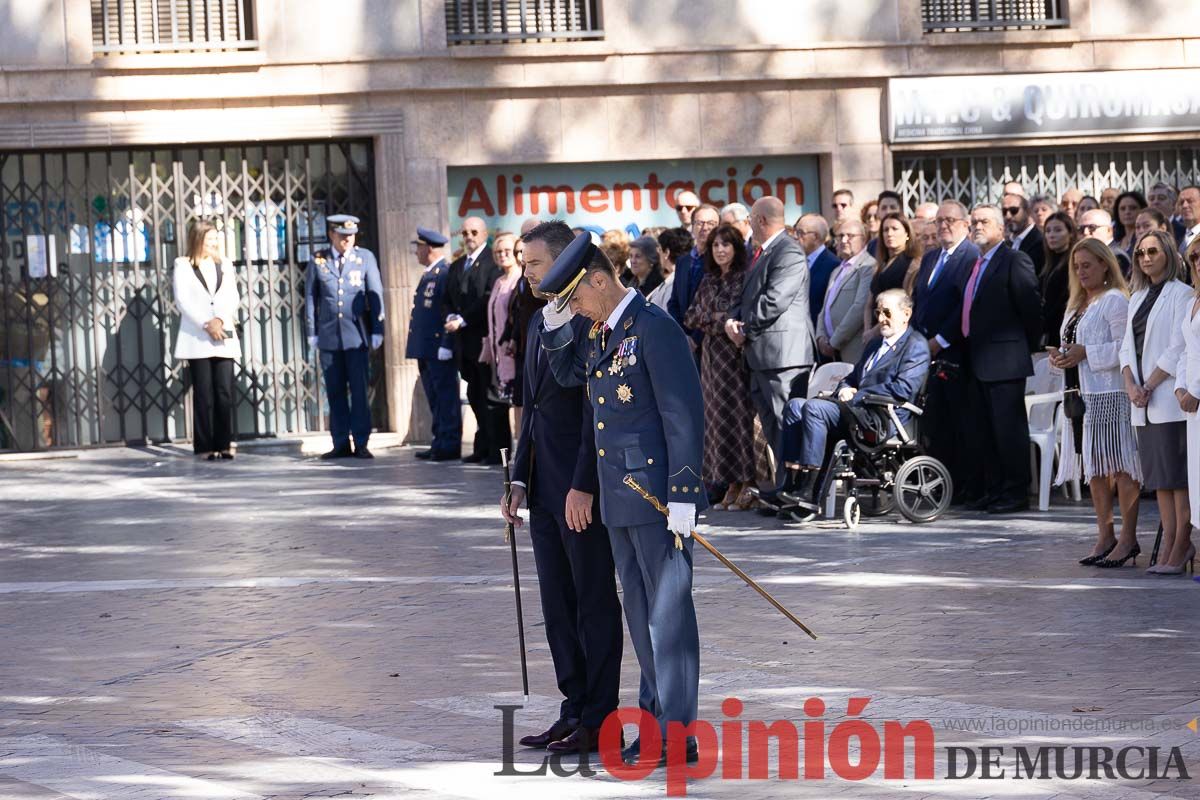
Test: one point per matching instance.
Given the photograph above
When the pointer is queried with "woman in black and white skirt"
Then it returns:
(1150, 355)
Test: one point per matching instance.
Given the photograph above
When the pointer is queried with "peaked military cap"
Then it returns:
(568, 269)
(431, 238)
(344, 224)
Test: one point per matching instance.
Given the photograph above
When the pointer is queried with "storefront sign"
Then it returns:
(629, 195)
(1011, 106)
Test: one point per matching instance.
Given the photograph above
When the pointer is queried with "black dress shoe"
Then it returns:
(474, 458)
(445, 457)
(581, 740)
(425, 454)
(978, 504)
(338, 452)
(1008, 506)
(559, 730)
(492, 461)
(632, 755)
(363, 452)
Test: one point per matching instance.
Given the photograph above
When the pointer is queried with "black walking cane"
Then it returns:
(511, 538)
(1157, 544)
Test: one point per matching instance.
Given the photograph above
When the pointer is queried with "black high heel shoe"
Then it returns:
(1110, 563)
(1091, 560)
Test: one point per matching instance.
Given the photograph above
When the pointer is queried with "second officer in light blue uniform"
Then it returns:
(649, 425)
(344, 315)
(430, 345)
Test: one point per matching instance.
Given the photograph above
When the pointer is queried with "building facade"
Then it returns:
(124, 119)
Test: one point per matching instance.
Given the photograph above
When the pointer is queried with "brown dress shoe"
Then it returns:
(560, 729)
(582, 740)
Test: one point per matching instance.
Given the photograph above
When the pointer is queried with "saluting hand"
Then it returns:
(511, 510)
(579, 510)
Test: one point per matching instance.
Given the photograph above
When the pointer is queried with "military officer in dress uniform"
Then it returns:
(344, 315)
(649, 426)
(429, 344)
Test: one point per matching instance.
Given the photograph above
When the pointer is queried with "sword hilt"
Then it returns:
(654, 501)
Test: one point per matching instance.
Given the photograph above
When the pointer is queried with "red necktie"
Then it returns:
(757, 253)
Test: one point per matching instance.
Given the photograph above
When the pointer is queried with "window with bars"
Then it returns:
(500, 21)
(171, 26)
(941, 16)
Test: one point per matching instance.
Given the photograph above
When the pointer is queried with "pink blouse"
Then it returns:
(497, 315)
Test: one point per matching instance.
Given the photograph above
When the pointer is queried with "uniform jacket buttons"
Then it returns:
(674, 488)
(685, 489)
(649, 460)
(601, 452)
(600, 425)
(599, 374)
(339, 315)
(600, 400)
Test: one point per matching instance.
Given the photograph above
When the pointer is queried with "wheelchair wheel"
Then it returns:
(851, 513)
(923, 489)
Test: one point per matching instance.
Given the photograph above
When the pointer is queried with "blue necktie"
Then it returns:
(874, 359)
(937, 268)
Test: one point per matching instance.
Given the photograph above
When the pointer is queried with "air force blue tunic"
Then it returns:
(439, 379)
(648, 419)
(344, 309)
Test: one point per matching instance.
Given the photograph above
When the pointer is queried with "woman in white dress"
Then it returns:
(207, 297)
(1187, 392)
(1150, 356)
(1100, 439)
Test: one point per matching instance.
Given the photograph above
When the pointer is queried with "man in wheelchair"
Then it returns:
(892, 369)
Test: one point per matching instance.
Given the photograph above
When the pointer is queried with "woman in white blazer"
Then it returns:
(207, 297)
(1187, 392)
(1150, 355)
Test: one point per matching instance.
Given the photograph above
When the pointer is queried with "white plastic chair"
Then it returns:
(826, 377)
(1043, 398)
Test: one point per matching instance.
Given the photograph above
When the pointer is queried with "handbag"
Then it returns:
(1073, 405)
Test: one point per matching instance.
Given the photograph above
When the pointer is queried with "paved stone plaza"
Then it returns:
(287, 628)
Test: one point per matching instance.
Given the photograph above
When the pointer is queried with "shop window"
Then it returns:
(945, 16)
(171, 26)
(500, 21)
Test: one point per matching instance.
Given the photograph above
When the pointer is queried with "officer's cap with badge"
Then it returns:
(345, 224)
(564, 275)
(430, 237)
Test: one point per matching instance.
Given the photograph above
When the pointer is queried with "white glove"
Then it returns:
(457, 319)
(376, 341)
(445, 354)
(312, 343)
(681, 518)
(556, 319)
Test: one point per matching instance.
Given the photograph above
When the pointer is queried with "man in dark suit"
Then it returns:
(1189, 216)
(688, 275)
(812, 232)
(1000, 324)
(1162, 197)
(1023, 235)
(468, 287)
(772, 321)
(937, 314)
(894, 365)
(555, 468)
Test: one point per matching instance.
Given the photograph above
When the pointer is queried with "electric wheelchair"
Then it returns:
(880, 466)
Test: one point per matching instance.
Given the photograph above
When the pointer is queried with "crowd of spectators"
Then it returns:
(990, 289)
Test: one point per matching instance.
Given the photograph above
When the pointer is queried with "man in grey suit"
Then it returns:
(771, 321)
(840, 323)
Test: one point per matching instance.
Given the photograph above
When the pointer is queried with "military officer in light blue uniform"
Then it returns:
(430, 345)
(649, 425)
(344, 315)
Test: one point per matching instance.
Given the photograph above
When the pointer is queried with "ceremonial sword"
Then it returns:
(654, 501)
(512, 546)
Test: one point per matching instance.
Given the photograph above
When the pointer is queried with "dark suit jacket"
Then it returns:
(556, 448)
(899, 374)
(1034, 246)
(1006, 318)
(689, 271)
(819, 272)
(1180, 230)
(467, 295)
(937, 309)
(774, 308)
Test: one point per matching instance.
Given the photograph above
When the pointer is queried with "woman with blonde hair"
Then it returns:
(207, 297)
(1187, 394)
(1150, 355)
(1098, 435)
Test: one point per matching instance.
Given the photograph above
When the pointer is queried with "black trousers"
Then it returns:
(578, 587)
(492, 430)
(998, 466)
(212, 404)
(946, 425)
